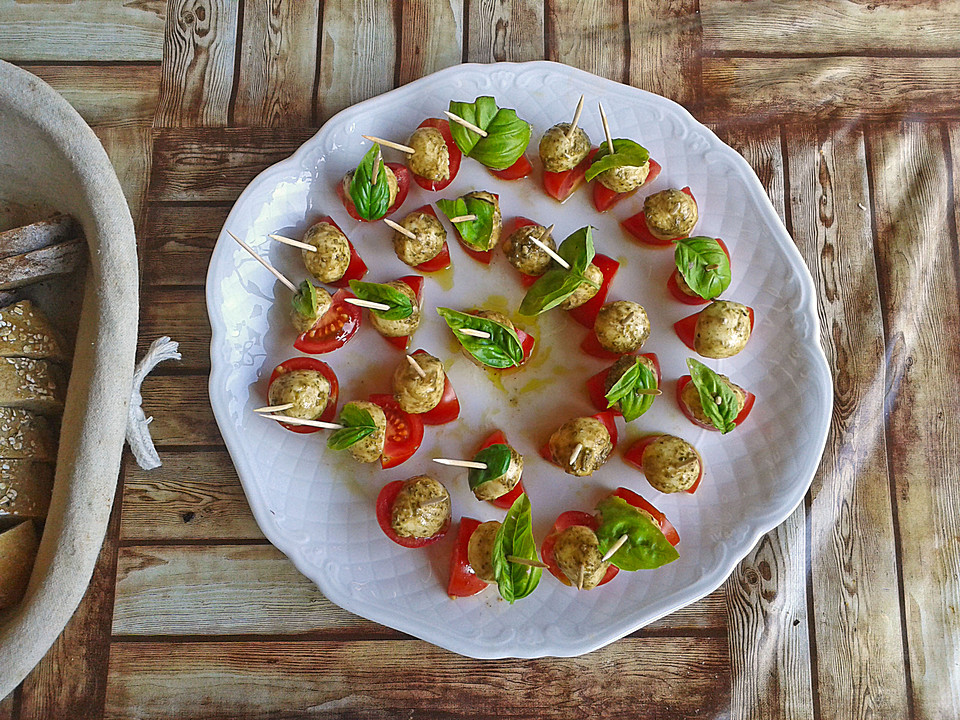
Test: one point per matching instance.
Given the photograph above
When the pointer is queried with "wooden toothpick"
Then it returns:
(436, 500)
(525, 561)
(292, 243)
(273, 408)
(651, 391)
(712, 267)
(576, 118)
(378, 158)
(400, 228)
(606, 128)
(475, 333)
(466, 123)
(367, 303)
(416, 366)
(580, 578)
(538, 241)
(462, 218)
(276, 273)
(390, 144)
(616, 546)
(576, 453)
(692, 462)
(461, 463)
(300, 421)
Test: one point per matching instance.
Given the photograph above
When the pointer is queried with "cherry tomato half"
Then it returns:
(385, 500)
(741, 416)
(586, 314)
(637, 226)
(306, 363)
(527, 342)
(673, 284)
(604, 198)
(334, 328)
(591, 346)
(686, 328)
(596, 385)
(666, 527)
(634, 456)
(415, 283)
(520, 169)
(403, 187)
(453, 151)
(463, 580)
(357, 267)
(448, 409)
(561, 185)
(404, 432)
(564, 521)
(504, 501)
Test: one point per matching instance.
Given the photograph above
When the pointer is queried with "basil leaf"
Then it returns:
(624, 391)
(557, 284)
(305, 301)
(515, 539)
(475, 233)
(497, 459)
(578, 249)
(401, 306)
(501, 350)
(719, 401)
(645, 549)
(704, 265)
(357, 424)
(372, 200)
(625, 153)
(507, 135)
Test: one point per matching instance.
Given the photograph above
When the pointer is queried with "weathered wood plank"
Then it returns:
(431, 36)
(588, 34)
(357, 59)
(853, 551)
(822, 88)
(216, 164)
(918, 295)
(181, 412)
(180, 313)
(101, 30)
(664, 48)
(278, 63)
(130, 149)
(502, 31)
(7, 706)
(177, 241)
(198, 63)
(387, 678)
(193, 496)
(800, 26)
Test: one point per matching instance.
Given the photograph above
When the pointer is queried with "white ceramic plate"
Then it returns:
(318, 506)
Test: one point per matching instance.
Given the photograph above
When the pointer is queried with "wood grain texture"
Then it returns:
(194, 496)
(431, 36)
(357, 59)
(916, 254)
(278, 63)
(215, 165)
(81, 30)
(198, 63)
(390, 678)
(130, 149)
(177, 240)
(588, 34)
(181, 412)
(180, 313)
(502, 31)
(830, 26)
(7, 705)
(664, 48)
(853, 551)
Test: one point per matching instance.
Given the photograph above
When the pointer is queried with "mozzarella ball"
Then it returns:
(500, 486)
(431, 157)
(417, 394)
(577, 553)
(411, 517)
(480, 550)
(308, 390)
(622, 326)
(584, 291)
(332, 257)
(690, 397)
(302, 323)
(370, 448)
(670, 214)
(524, 254)
(624, 178)
(723, 328)
(594, 438)
(428, 243)
(559, 152)
(398, 328)
(497, 220)
(671, 464)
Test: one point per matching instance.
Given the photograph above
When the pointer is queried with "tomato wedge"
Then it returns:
(666, 527)
(527, 342)
(561, 185)
(596, 385)
(604, 198)
(385, 500)
(404, 432)
(520, 169)
(586, 314)
(357, 267)
(634, 456)
(741, 416)
(306, 363)
(591, 346)
(334, 328)
(415, 283)
(454, 153)
(686, 328)
(606, 417)
(403, 187)
(673, 284)
(448, 409)
(637, 226)
(504, 501)
(463, 580)
(564, 521)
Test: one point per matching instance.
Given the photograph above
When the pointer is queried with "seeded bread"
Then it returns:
(34, 385)
(26, 436)
(18, 549)
(25, 487)
(25, 332)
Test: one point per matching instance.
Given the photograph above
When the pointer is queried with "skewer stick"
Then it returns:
(692, 462)
(390, 144)
(466, 123)
(712, 267)
(476, 333)
(276, 273)
(367, 304)
(525, 561)
(580, 578)
(461, 463)
(400, 228)
(293, 243)
(416, 366)
(576, 118)
(538, 241)
(273, 408)
(436, 500)
(462, 218)
(606, 128)
(652, 391)
(576, 453)
(300, 421)
(616, 546)
(376, 166)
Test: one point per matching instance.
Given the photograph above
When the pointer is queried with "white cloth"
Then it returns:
(138, 431)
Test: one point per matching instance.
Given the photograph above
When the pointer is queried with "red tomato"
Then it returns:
(606, 417)
(415, 283)
(634, 456)
(305, 363)
(356, 269)
(440, 262)
(604, 198)
(448, 409)
(566, 520)
(403, 187)
(686, 328)
(385, 500)
(520, 169)
(586, 314)
(596, 385)
(504, 501)
(334, 328)
(454, 153)
(527, 342)
(404, 432)
(463, 580)
(673, 284)
(741, 416)
(637, 226)
(666, 527)
(591, 346)
(561, 185)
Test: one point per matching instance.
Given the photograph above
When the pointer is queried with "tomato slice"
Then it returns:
(673, 284)
(596, 385)
(634, 456)
(586, 314)
(415, 282)
(591, 346)
(448, 409)
(403, 187)
(527, 342)
(520, 169)
(604, 198)
(306, 363)
(357, 267)
(385, 500)
(454, 153)
(637, 226)
(404, 432)
(504, 501)
(463, 580)
(686, 328)
(334, 328)
(564, 521)
(561, 185)
(609, 421)
(666, 527)
(741, 416)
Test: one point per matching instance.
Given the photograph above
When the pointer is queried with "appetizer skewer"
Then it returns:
(582, 445)
(720, 330)
(628, 387)
(621, 327)
(666, 216)
(702, 270)
(378, 429)
(415, 512)
(307, 389)
(620, 167)
(477, 220)
(432, 156)
(709, 400)
(669, 463)
(420, 240)
(493, 136)
(374, 189)
(565, 153)
(489, 338)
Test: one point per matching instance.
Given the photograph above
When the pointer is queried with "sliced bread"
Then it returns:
(26, 436)
(34, 385)
(25, 487)
(26, 332)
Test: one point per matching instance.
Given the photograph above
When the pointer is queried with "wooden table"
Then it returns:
(848, 111)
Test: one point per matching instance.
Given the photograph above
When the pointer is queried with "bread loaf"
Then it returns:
(18, 549)
(25, 487)
(26, 436)
(25, 332)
